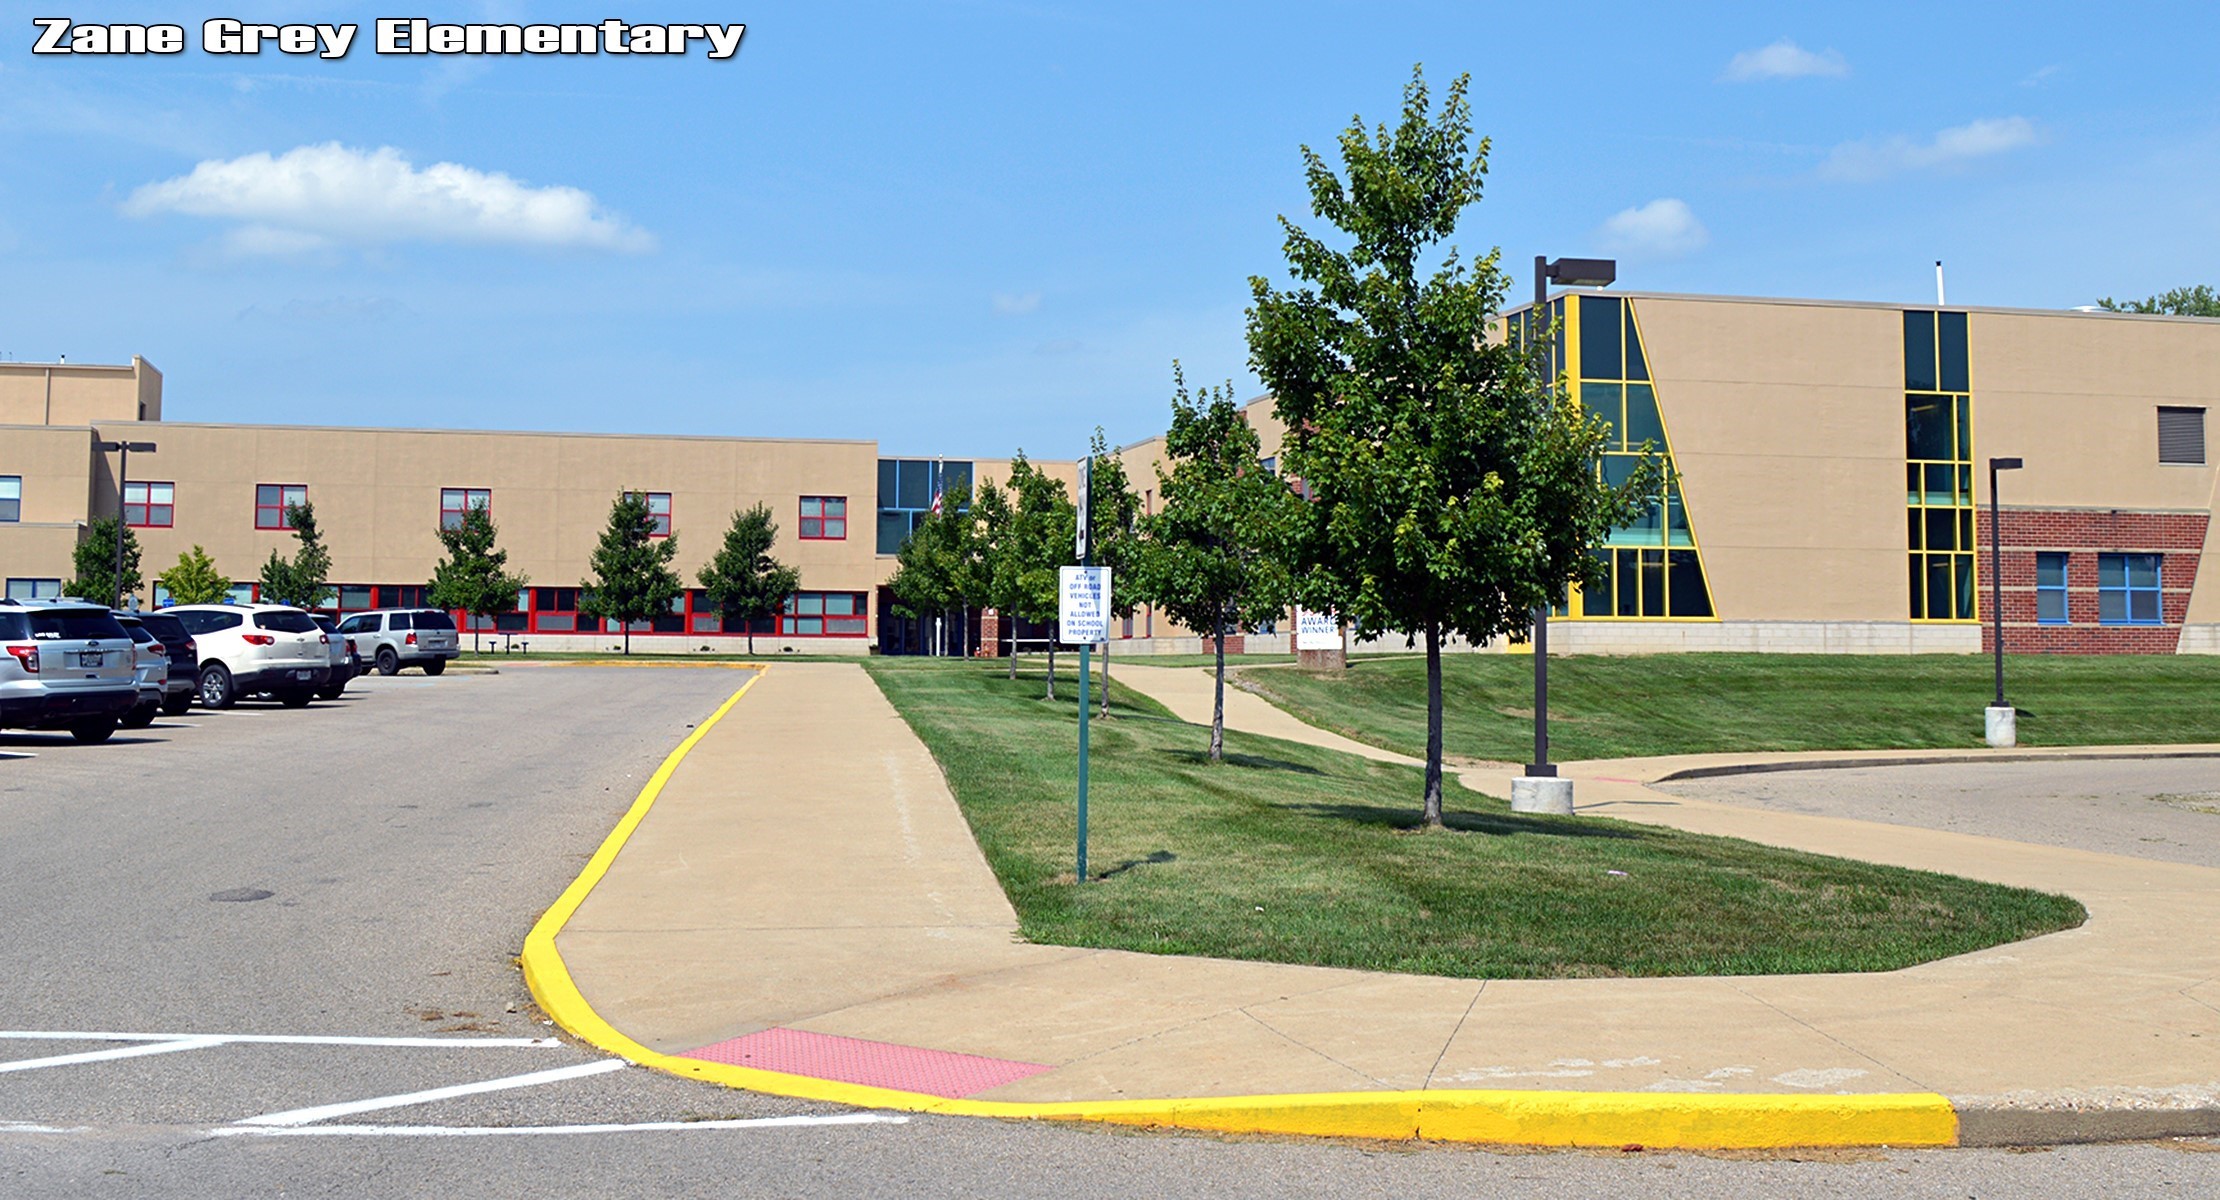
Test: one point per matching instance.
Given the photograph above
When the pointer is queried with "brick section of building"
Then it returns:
(2178, 537)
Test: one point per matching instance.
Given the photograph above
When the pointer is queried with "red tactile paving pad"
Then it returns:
(874, 1064)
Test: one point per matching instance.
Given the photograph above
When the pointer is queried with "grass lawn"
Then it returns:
(1287, 853)
(1613, 707)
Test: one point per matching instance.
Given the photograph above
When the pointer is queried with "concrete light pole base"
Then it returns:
(1542, 794)
(2003, 727)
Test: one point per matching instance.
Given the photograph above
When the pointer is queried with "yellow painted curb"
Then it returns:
(1662, 1120)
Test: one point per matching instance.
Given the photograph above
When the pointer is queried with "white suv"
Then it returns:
(253, 649)
(392, 638)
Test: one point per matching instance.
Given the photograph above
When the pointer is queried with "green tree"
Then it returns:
(96, 564)
(473, 575)
(1037, 540)
(1453, 491)
(632, 575)
(1113, 508)
(941, 564)
(2198, 301)
(1214, 554)
(743, 580)
(194, 580)
(995, 585)
(304, 581)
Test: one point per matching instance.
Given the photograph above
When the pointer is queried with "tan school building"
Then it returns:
(1828, 490)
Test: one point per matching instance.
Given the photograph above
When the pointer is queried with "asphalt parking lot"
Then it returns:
(2162, 808)
(159, 1041)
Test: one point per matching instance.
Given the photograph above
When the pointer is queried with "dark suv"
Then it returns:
(184, 660)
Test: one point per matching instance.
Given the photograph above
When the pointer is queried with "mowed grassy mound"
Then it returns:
(1287, 853)
(1625, 706)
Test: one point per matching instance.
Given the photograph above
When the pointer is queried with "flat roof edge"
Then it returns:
(1886, 305)
(245, 427)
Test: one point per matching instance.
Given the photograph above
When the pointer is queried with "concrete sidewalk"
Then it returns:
(806, 897)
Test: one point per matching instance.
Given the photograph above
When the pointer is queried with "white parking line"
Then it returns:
(528, 1130)
(277, 1039)
(303, 1116)
(17, 754)
(27, 1127)
(139, 1051)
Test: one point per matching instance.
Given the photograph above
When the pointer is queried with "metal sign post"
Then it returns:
(1083, 617)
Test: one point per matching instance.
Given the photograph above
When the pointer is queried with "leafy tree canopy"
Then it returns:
(304, 581)
(195, 579)
(2197, 301)
(473, 575)
(632, 575)
(743, 580)
(95, 560)
(1454, 490)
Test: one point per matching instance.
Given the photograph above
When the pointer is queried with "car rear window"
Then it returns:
(70, 624)
(398, 621)
(138, 632)
(434, 620)
(285, 621)
(13, 627)
(168, 629)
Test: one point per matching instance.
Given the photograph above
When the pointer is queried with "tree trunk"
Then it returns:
(1433, 725)
(1012, 622)
(1218, 700)
(1106, 679)
(1052, 668)
(628, 639)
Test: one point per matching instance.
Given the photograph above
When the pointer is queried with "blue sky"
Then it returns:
(964, 228)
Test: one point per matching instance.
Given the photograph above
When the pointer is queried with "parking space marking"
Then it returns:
(28, 1127)
(279, 1039)
(304, 1116)
(140, 1050)
(542, 1130)
(17, 754)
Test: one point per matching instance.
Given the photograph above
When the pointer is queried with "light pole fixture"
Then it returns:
(123, 474)
(1532, 794)
(2003, 731)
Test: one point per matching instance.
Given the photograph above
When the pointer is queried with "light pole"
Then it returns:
(123, 474)
(2002, 725)
(1540, 789)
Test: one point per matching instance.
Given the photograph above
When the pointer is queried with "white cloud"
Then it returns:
(1864, 161)
(316, 195)
(1784, 59)
(1017, 304)
(1662, 228)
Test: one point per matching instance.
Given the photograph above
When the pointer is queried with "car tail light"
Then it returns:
(259, 639)
(350, 645)
(28, 656)
(157, 648)
(409, 641)
(192, 647)
(325, 638)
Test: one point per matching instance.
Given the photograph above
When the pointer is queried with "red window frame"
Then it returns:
(139, 494)
(464, 496)
(272, 516)
(662, 516)
(805, 608)
(824, 524)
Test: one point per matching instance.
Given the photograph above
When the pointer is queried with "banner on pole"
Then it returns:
(1316, 630)
(1082, 605)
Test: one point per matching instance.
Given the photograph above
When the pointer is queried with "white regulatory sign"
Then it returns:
(1082, 605)
(1316, 630)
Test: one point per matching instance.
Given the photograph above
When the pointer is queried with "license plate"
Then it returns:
(92, 658)
(300, 674)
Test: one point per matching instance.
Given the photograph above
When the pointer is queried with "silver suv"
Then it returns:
(67, 665)
(392, 638)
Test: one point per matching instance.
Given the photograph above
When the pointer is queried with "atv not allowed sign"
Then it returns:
(1082, 605)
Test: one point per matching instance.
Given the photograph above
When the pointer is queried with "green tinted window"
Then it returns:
(1642, 421)
(1928, 430)
(1919, 352)
(1600, 352)
(1950, 345)
(1637, 366)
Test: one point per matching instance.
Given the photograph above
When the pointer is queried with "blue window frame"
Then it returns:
(2050, 589)
(2127, 589)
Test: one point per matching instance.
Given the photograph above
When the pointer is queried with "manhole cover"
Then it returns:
(235, 895)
